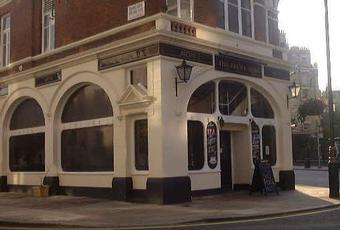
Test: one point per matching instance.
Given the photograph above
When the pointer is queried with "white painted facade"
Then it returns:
(167, 114)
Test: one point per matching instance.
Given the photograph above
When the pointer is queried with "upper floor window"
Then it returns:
(260, 21)
(5, 39)
(181, 8)
(138, 76)
(48, 17)
(273, 28)
(236, 17)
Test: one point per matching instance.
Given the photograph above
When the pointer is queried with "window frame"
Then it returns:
(130, 76)
(50, 28)
(204, 146)
(179, 9)
(97, 122)
(140, 171)
(24, 132)
(266, 35)
(7, 31)
(239, 15)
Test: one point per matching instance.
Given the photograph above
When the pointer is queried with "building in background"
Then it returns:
(305, 75)
(91, 103)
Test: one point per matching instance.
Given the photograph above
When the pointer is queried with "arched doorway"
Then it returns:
(219, 132)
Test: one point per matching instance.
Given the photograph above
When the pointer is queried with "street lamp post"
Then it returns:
(333, 163)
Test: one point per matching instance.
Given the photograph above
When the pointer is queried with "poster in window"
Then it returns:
(212, 145)
(255, 138)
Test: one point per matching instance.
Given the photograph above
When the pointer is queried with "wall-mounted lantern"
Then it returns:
(184, 73)
(294, 90)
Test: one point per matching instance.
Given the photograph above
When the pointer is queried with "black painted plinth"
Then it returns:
(121, 188)
(287, 180)
(169, 190)
(3, 184)
(53, 183)
(333, 176)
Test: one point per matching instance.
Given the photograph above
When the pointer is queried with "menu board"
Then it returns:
(256, 143)
(263, 179)
(212, 145)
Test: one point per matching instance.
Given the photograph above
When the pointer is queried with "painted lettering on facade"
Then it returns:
(237, 65)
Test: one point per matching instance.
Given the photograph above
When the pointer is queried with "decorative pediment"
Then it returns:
(134, 97)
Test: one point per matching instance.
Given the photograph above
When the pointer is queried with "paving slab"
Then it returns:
(89, 212)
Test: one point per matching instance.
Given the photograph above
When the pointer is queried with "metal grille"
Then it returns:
(48, 5)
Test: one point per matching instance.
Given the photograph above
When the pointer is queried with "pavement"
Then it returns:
(311, 194)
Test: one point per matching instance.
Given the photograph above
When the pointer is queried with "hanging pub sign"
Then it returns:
(255, 142)
(231, 64)
(212, 145)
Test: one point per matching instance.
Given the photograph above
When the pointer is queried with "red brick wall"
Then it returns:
(78, 19)
(75, 20)
(205, 12)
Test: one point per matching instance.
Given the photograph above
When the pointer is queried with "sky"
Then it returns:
(304, 24)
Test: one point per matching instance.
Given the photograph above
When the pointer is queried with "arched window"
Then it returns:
(203, 99)
(260, 106)
(87, 131)
(233, 98)
(27, 138)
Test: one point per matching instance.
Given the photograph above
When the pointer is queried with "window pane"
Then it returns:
(233, 18)
(203, 99)
(88, 102)
(52, 37)
(195, 145)
(246, 23)
(46, 39)
(46, 20)
(28, 114)
(269, 144)
(172, 7)
(235, 2)
(221, 14)
(141, 145)
(139, 76)
(27, 153)
(260, 23)
(233, 98)
(4, 39)
(246, 4)
(260, 107)
(87, 149)
(273, 29)
(185, 9)
(4, 56)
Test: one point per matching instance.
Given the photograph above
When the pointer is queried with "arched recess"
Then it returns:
(26, 142)
(14, 103)
(86, 130)
(67, 91)
(272, 95)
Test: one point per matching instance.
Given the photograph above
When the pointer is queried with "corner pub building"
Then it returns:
(91, 103)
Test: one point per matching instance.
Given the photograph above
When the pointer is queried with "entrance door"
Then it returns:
(225, 156)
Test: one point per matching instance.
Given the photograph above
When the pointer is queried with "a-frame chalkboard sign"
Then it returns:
(263, 179)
